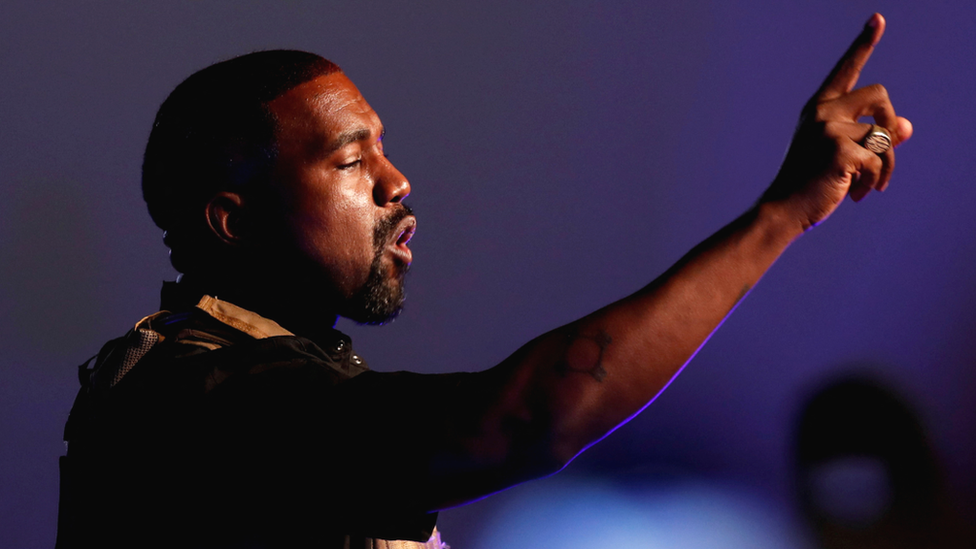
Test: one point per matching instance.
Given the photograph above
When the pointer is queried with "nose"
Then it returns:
(391, 185)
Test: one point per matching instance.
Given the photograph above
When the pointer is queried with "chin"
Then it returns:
(378, 302)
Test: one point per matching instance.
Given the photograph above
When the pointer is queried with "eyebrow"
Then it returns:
(352, 136)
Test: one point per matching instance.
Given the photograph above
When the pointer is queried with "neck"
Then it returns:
(300, 315)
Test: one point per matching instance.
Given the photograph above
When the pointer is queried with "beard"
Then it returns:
(380, 299)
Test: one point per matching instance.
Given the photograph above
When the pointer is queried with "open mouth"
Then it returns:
(404, 233)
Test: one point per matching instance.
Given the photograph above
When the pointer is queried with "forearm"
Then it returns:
(585, 379)
(568, 388)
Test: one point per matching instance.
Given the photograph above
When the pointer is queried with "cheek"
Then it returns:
(337, 235)
(331, 222)
(353, 221)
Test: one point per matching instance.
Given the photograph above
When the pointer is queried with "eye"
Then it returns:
(349, 165)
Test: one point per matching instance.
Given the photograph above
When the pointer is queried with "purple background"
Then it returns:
(562, 154)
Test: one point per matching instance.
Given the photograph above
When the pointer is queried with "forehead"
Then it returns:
(320, 109)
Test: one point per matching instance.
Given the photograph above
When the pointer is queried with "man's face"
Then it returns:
(346, 230)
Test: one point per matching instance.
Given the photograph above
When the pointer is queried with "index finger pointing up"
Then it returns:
(845, 74)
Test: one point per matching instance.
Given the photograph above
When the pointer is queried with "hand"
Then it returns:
(826, 161)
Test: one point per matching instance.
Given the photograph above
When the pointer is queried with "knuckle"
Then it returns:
(879, 92)
(822, 112)
(848, 156)
(882, 92)
(844, 160)
(833, 130)
(875, 163)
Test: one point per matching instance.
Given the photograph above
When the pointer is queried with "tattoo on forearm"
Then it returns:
(585, 355)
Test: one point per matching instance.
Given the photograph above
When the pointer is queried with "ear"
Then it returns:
(225, 216)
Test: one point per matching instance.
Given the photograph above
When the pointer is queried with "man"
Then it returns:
(238, 417)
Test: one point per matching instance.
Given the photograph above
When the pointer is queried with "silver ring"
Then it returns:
(878, 140)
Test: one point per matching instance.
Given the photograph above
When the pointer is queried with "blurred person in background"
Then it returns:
(867, 474)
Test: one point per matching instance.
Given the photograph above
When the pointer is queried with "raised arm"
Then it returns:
(567, 389)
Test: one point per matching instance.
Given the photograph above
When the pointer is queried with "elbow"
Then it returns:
(562, 452)
(540, 461)
(549, 454)
(534, 451)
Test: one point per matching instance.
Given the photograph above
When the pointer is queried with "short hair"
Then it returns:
(215, 133)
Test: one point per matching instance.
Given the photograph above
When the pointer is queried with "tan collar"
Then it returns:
(250, 323)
